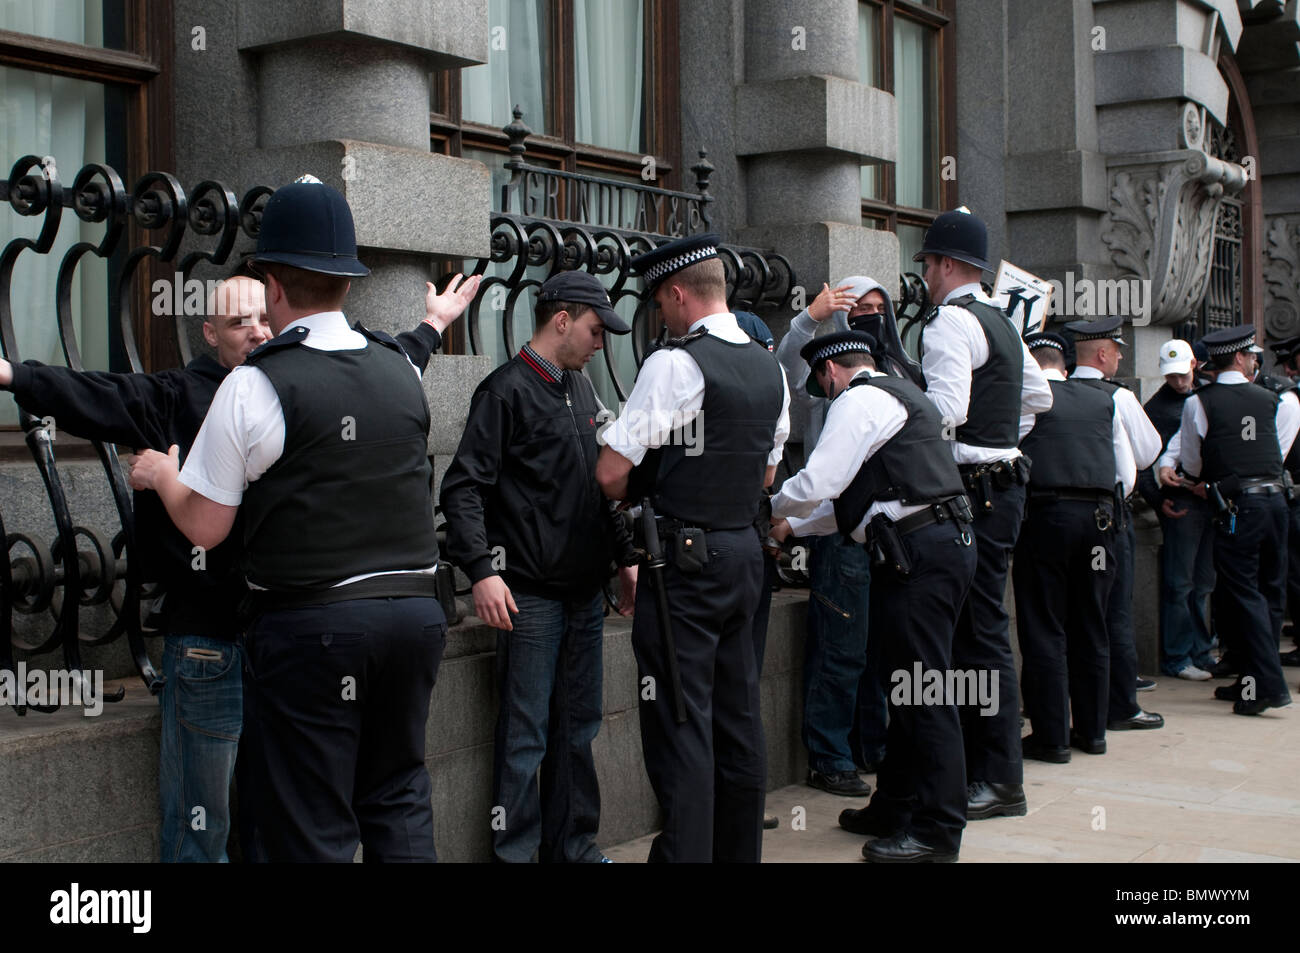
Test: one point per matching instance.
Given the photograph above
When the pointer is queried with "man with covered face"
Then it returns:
(843, 692)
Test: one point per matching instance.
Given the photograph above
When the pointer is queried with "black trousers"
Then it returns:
(1251, 588)
(342, 698)
(983, 643)
(1064, 570)
(709, 773)
(1293, 566)
(922, 781)
(1122, 702)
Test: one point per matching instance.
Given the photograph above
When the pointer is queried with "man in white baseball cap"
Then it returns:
(1187, 557)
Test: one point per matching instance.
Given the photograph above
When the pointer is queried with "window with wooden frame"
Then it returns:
(908, 49)
(596, 80)
(83, 82)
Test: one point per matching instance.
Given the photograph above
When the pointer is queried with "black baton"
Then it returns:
(655, 562)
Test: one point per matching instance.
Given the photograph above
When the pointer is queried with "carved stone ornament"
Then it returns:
(1282, 277)
(1160, 224)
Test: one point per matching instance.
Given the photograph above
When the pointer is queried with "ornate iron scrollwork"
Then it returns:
(62, 577)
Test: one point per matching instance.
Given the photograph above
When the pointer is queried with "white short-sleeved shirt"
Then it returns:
(669, 395)
(243, 432)
(859, 421)
(955, 347)
(1185, 446)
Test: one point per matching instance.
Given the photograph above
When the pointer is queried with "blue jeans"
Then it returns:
(836, 652)
(549, 678)
(202, 715)
(1186, 581)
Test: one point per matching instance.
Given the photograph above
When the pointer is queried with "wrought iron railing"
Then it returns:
(552, 221)
(36, 572)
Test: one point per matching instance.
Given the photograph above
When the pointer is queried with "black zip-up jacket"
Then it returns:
(154, 411)
(1165, 411)
(524, 479)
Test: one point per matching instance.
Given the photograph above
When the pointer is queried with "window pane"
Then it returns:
(608, 40)
(90, 22)
(911, 239)
(916, 83)
(513, 75)
(868, 45)
(873, 183)
(64, 119)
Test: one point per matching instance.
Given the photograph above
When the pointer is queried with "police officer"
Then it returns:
(1097, 355)
(883, 474)
(1234, 436)
(983, 380)
(706, 423)
(1065, 561)
(320, 439)
(1284, 384)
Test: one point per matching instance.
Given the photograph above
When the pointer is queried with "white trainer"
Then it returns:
(1194, 674)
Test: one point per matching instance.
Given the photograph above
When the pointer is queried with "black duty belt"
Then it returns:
(1072, 496)
(1268, 489)
(386, 586)
(954, 508)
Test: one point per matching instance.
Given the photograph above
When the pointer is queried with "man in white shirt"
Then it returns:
(1234, 436)
(1098, 352)
(705, 427)
(983, 380)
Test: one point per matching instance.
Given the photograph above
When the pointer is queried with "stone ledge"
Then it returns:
(1167, 72)
(453, 33)
(816, 113)
(1054, 180)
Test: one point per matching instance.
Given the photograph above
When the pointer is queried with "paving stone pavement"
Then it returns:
(1209, 787)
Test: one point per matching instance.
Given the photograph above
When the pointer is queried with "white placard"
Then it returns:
(1024, 296)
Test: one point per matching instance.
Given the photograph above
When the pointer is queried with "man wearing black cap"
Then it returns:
(883, 475)
(983, 380)
(320, 441)
(704, 750)
(1065, 560)
(1234, 436)
(1284, 384)
(530, 527)
(1097, 351)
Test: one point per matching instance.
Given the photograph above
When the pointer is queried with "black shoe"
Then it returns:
(1088, 746)
(1226, 668)
(903, 848)
(1258, 705)
(1291, 658)
(862, 821)
(771, 822)
(994, 800)
(1228, 693)
(1146, 684)
(843, 783)
(1143, 719)
(1031, 747)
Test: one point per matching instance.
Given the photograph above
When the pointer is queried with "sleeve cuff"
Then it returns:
(206, 489)
(22, 378)
(479, 569)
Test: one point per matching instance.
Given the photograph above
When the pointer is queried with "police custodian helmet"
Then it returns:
(957, 234)
(308, 225)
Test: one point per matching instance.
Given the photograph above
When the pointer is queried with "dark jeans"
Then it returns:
(709, 773)
(835, 655)
(983, 643)
(549, 679)
(202, 715)
(1186, 581)
(1122, 702)
(1251, 563)
(342, 699)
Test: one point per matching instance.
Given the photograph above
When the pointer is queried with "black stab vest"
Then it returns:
(351, 492)
(915, 466)
(1072, 446)
(993, 415)
(716, 484)
(1231, 412)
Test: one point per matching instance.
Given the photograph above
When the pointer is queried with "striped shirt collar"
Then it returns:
(550, 372)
